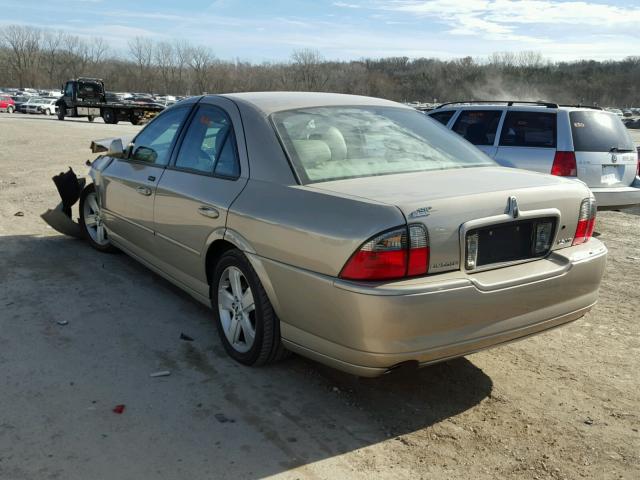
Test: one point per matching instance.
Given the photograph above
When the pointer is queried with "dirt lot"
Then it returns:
(564, 404)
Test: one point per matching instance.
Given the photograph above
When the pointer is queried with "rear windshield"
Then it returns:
(330, 143)
(599, 132)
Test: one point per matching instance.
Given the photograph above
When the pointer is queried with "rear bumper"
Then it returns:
(367, 330)
(618, 197)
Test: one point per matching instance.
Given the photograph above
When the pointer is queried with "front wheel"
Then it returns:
(247, 324)
(47, 112)
(91, 221)
(61, 113)
(9, 109)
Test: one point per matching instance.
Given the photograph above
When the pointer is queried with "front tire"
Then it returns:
(61, 112)
(47, 112)
(247, 324)
(91, 222)
(9, 109)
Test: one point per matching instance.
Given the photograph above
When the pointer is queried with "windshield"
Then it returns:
(330, 143)
(598, 131)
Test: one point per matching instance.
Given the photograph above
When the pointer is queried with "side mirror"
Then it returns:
(116, 148)
(145, 154)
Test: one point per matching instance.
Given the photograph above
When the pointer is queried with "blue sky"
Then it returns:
(350, 29)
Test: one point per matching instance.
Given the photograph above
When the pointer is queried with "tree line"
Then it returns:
(43, 58)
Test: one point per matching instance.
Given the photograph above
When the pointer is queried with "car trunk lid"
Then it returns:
(448, 201)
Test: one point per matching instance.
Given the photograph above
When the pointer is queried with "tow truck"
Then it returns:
(86, 97)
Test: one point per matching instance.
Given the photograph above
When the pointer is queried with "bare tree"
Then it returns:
(307, 69)
(201, 61)
(24, 44)
(141, 49)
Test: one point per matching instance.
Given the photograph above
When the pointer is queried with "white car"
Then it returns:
(588, 144)
(46, 106)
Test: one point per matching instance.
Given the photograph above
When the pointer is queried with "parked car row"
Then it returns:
(584, 143)
(33, 105)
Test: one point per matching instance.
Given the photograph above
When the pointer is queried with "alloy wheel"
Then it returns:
(237, 309)
(93, 220)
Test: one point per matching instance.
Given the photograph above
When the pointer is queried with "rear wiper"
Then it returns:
(620, 150)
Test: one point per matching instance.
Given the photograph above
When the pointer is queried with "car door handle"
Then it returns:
(146, 191)
(208, 212)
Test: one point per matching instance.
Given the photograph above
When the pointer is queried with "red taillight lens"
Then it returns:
(390, 255)
(564, 164)
(586, 221)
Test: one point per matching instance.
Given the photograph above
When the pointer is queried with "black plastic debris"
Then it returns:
(186, 338)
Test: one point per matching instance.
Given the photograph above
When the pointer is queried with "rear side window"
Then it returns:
(597, 131)
(478, 126)
(442, 117)
(209, 145)
(529, 129)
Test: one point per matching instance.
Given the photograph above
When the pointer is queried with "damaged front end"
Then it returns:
(70, 186)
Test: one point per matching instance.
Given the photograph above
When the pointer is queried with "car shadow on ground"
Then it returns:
(124, 321)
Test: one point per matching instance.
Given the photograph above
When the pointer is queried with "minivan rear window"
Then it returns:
(596, 131)
(529, 129)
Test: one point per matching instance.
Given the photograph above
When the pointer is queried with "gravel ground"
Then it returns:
(564, 404)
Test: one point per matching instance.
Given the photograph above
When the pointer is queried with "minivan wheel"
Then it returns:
(91, 221)
(247, 324)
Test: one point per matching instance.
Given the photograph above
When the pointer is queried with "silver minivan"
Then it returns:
(589, 144)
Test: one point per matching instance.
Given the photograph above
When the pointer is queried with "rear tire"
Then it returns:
(109, 116)
(134, 120)
(91, 221)
(47, 112)
(240, 304)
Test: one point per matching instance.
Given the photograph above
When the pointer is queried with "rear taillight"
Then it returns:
(586, 221)
(564, 164)
(403, 252)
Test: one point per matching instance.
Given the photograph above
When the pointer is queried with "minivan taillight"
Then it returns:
(586, 221)
(564, 164)
(402, 252)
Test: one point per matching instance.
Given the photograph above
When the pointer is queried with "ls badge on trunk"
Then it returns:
(420, 212)
(512, 207)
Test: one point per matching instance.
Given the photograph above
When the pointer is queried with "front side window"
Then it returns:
(209, 145)
(442, 117)
(478, 126)
(68, 89)
(529, 129)
(330, 143)
(153, 143)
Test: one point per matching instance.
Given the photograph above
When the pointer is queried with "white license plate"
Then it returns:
(611, 174)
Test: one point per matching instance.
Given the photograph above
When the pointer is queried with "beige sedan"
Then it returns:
(351, 230)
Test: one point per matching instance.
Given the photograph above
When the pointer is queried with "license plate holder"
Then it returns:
(611, 174)
(510, 242)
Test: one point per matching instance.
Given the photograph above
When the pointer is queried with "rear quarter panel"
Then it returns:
(308, 229)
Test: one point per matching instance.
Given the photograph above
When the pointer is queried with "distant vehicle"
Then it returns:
(86, 97)
(615, 111)
(29, 100)
(46, 106)
(7, 104)
(627, 113)
(585, 143)
(19, 100)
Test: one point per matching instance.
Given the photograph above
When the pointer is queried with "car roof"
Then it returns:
(270, 102)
